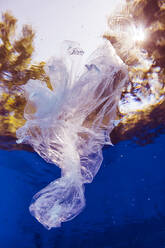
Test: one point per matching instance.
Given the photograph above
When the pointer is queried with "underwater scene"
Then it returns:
(82, 124)
(125, 203)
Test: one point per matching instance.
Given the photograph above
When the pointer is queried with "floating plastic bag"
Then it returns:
(69, 125)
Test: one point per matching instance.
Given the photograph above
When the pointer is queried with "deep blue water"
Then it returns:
(125, 204)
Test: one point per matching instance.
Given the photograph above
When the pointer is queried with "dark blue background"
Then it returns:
(125, 204)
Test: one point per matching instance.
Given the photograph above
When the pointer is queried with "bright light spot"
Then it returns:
(139, 34)
(131, 105)
(1, 42)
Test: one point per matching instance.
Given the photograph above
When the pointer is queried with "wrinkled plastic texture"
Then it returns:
(69, 125)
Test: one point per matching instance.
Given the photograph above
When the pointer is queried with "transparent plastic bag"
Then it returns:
(69, 125)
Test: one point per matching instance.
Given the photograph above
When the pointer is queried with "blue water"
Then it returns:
(125, 204)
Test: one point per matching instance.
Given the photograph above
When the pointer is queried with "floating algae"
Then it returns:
(69, 125)
(16, 69)
(137, 33)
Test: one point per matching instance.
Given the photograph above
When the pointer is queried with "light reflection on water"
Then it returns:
(125, 203)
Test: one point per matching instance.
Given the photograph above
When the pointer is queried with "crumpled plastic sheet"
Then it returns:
(69, 125)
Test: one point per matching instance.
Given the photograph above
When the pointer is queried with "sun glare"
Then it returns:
(139, 34)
